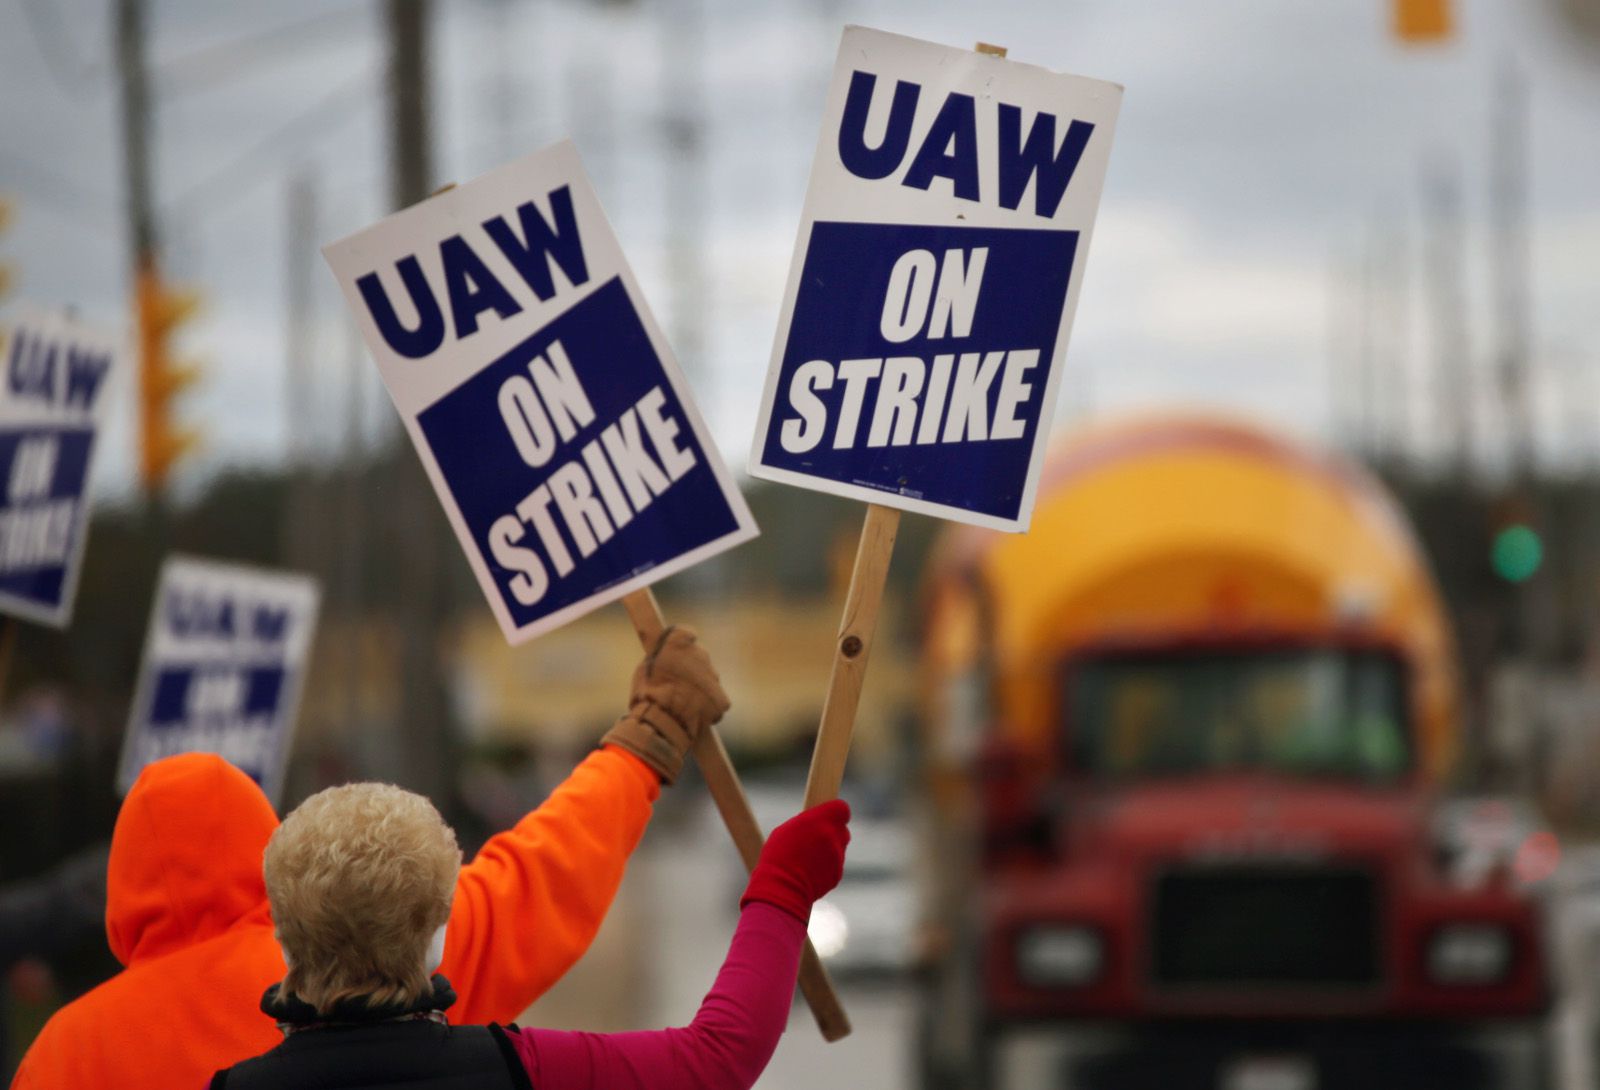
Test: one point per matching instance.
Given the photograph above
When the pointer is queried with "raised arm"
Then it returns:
(527, 907)
(728, 1044)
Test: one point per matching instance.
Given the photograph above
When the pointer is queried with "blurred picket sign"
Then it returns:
(225, 659)
(53, 403)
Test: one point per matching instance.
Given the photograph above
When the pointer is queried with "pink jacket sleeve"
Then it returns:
(726, 1047)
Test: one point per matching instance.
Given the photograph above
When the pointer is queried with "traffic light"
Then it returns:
(1516, 546)
(162, 377)
(8, 272)
(1417, 21)
(1516, 552)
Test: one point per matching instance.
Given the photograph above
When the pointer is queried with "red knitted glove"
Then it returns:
(803, 859)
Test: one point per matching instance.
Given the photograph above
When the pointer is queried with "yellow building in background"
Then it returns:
(774, 654)
(560, 692)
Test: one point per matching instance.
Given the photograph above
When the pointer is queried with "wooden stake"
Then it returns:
(850, 654)
(722, 780)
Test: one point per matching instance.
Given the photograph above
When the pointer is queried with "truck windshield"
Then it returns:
(1313, 712)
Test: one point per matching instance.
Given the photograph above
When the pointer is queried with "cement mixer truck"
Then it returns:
(1184, 743)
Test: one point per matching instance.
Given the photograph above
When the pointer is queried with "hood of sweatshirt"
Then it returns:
(185, 856)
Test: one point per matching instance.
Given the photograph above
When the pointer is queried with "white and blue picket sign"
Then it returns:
(53, 396)
(224, 663)
(940, 256)
(541, 396)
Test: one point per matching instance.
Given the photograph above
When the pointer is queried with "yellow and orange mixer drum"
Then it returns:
(1177, 528)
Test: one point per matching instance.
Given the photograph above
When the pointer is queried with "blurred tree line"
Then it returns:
(332, 523)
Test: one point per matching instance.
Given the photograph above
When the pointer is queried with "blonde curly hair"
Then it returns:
(360, 877)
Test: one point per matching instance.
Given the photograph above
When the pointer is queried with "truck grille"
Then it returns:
(1275, 926)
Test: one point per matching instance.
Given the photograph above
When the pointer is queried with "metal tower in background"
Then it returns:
(1510, 267)
(1453, 379)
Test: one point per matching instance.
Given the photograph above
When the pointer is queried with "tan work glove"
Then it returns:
(674, 696)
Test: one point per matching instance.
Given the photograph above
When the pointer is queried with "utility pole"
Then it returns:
(350, 585)
(1369, 422)
(140, 201)
(158, 310)
(1509, 262)
(1454, 382)
(1406, 364)
(1344, 364)
(427, 732)
(502, 94)
(1334, 346)
(411, 166)
(136, 126)
(301, 525)
(591, 110)
(1535, 613)
(300, 220)
(1394, 361)
(683, 38)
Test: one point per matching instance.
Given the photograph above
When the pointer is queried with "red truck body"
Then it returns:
(1185, 742)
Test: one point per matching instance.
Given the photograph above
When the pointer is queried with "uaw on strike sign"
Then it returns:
(541, 396)
(938, 266)
(224, 662)
(53, 397)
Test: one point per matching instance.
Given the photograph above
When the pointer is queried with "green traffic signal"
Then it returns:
(1517, 553)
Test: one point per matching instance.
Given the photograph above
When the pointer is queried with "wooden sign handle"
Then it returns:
(722, 780)
(856, 629)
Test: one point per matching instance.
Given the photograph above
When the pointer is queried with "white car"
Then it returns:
(864, 927)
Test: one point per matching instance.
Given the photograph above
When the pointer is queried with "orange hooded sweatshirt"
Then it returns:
(187, 915)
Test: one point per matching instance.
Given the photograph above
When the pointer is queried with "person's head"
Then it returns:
(360, 878)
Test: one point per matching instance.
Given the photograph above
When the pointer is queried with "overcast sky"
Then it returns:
(1265, 154)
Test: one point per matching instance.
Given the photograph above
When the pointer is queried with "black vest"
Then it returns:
(378, 1048)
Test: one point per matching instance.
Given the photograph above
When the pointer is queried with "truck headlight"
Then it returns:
(1059, 957)
(829, 930)
(1469, 953)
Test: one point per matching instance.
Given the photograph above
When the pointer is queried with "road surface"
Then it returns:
(662, 945)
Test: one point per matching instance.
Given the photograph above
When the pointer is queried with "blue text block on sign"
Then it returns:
(44, 474)
(621, 485)
(918, 360)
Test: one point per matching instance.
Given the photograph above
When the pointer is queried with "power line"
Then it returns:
(68, 71)
(58, 192)
(219, 63)
(257, 162)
